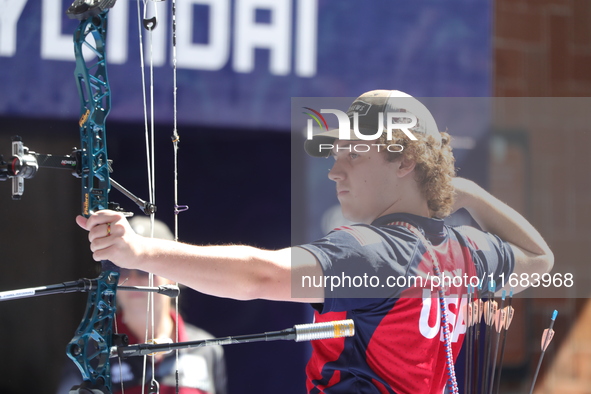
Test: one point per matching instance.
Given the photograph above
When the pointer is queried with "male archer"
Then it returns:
(406, 337)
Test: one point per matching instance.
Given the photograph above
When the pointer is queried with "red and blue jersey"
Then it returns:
(382, 277)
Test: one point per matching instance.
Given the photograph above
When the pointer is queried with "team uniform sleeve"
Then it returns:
(356, 262)
(492, 256)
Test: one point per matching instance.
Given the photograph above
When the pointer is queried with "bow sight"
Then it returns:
(24, 164)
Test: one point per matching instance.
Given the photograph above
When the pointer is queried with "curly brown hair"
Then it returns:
(434, 168)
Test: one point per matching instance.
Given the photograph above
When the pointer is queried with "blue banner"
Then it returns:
(240, 61)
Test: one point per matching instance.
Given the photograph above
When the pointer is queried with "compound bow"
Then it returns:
(95, 341)
(90, 348)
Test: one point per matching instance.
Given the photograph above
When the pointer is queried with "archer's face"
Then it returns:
(366, 183)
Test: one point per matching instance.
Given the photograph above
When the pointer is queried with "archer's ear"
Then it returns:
(405, 167)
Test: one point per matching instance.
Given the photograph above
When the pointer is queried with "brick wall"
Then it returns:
(542, 48)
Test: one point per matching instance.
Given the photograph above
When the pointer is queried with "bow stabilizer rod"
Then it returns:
(299, 333)
(81, 286)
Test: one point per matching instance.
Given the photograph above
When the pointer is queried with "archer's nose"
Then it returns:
(336, 173)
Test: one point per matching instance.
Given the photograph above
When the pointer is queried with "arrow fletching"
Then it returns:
(547, 338)
(549, 332)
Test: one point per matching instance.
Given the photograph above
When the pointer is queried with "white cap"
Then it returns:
(367, 107)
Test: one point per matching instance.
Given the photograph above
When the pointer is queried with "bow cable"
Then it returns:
(149, 24)
(175, 142)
